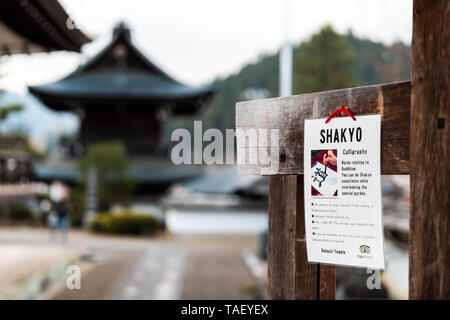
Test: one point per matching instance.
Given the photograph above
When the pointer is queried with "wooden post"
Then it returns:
(290, 275)
(429, 237)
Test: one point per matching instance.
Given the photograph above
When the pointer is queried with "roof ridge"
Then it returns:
(122, 33)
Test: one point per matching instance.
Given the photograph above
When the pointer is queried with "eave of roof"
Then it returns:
(39, 25)
(118, 85)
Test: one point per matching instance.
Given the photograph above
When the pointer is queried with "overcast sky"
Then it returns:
(198, 40)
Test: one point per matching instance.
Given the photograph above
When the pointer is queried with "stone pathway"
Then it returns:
(158, 275)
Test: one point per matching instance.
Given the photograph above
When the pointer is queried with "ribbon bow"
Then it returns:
(337, 113)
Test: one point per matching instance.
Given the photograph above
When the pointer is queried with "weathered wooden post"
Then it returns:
(429, 242)
(426, 111)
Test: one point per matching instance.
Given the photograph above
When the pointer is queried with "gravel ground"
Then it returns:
(101, 279)
(215, 268)
(217, 275)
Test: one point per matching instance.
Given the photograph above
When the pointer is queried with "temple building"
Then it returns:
(121, 95)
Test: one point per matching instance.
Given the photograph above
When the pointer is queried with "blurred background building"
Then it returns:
(120, 95)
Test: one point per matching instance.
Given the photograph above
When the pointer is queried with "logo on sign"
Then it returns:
(364, 249)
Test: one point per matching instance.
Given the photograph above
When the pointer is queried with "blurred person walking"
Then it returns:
(59, 221)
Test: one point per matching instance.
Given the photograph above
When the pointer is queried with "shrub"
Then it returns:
(125, 222)
(18, 211)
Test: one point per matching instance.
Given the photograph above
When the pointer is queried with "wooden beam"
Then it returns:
(290, 276)
(327, 285)
(429, 237)
(287, 114)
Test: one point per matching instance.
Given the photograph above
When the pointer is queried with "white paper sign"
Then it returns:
(343, 211)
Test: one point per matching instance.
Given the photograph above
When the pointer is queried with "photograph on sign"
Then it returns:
(324, 173)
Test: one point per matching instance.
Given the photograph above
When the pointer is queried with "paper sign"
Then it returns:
(343, 211)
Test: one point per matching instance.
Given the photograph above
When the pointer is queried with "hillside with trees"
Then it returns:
(326, 61)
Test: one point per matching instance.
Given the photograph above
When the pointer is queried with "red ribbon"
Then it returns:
(337, 113)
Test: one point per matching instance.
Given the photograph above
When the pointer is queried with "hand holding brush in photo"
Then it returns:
(324, 173)
(329, 158)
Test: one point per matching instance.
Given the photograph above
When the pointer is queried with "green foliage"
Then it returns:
(114, 184)
(377, 63)
(16, 141)
(125, 222)
(20, 142)
(323, 63)
(18, 211)
(6, 111)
